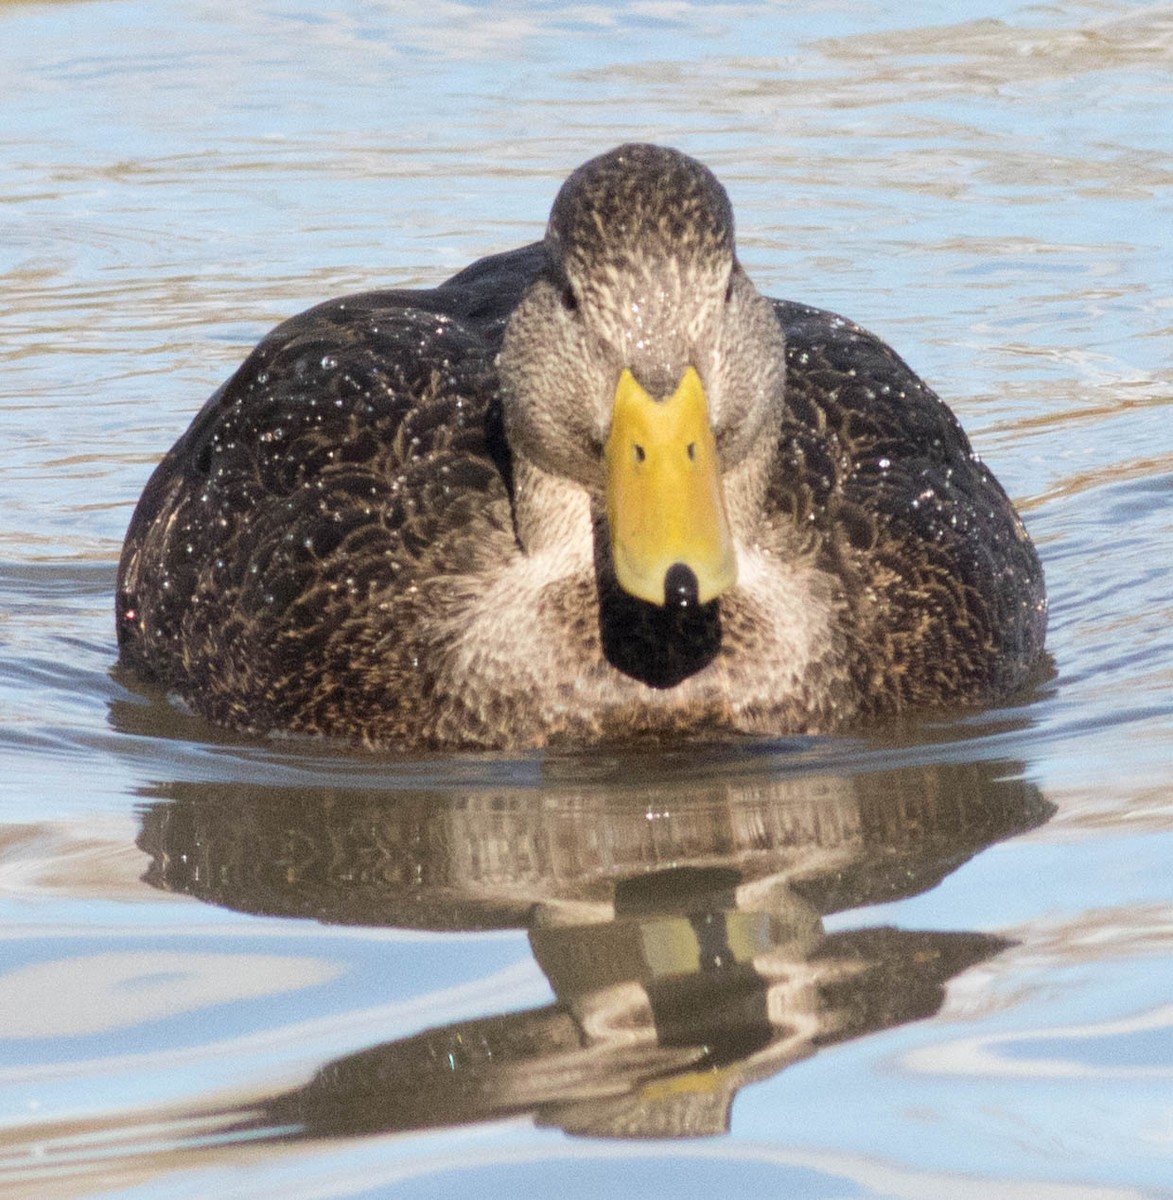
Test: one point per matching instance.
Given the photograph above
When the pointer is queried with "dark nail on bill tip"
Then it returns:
(680, 586)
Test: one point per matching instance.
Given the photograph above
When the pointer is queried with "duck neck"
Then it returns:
(747, 485)
(551, 514)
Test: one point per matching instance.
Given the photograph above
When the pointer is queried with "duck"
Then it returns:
(597, 489)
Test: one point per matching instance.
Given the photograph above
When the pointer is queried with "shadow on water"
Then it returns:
(681, 929)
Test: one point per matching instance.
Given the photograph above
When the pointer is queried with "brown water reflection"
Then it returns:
(680, 927)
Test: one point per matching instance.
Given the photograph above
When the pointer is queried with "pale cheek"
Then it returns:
(715, 385)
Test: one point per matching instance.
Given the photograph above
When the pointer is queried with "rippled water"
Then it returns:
(935, 961)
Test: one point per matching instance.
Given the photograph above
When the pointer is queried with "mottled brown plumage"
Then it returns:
(388, 524)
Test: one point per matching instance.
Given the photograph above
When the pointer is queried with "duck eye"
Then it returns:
(569, 299)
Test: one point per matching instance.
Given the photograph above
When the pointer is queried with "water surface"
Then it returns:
(928, 960)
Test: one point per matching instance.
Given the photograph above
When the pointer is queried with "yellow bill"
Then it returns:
(665, 504)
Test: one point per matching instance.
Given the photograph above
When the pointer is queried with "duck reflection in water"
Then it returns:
(687, 953)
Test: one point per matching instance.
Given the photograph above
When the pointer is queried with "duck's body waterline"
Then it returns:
(396, 522)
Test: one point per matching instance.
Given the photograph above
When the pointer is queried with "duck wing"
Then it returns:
(945, 585)
(331, 470)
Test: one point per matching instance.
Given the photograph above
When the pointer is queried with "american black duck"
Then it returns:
(594, 488)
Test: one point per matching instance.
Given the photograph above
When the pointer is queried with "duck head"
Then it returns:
(643, 367)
